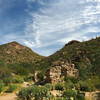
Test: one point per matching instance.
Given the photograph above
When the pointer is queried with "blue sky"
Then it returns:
(47, 25)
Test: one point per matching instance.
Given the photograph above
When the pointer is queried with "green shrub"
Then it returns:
(80, 96)
(28, 78)
(36, 92)
(59, 86)
(8, 80)
(97, 86)
(69, 85)
(40, 76)
(1, 86)
(72, 79)
(11, 80)
(49, 86)
(61, 98)
(70, 93)
(12, 88)
(86, 86)
(18, 79)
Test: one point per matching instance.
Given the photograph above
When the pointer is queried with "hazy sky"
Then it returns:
(46, 25)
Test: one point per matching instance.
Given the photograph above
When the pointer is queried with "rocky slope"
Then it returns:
(16, 53)
(85, 56)
(16, 58)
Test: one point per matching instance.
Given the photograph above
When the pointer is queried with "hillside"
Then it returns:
(85, 56)
(71, 72)
(17, 58)
(16, 53)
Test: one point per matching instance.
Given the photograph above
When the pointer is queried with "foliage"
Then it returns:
(17, 59)
(86, 86)
(74, 80)
(80, 96)
(28, 78)
(33, 92)
(12, 88)
(59, 86)
(8, 80)
(70, 93)
(40, 76)
(49, 86)
(85, 56)
(1, 86)
(68, 84)
(18, 79)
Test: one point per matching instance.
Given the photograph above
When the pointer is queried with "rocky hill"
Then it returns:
(16, 53)
(17, 58)
(85, 56)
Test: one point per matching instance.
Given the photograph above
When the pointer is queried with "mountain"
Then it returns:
(16, 53)
(17, 58)
(85, 55)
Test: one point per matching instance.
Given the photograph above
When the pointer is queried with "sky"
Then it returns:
(47, 25)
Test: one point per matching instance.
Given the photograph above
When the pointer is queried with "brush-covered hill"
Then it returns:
(85, 56)
(17, 58)
(16, 53)
(21, 59)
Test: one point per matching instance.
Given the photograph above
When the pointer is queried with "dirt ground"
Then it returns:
(9, 96)
(12, 96)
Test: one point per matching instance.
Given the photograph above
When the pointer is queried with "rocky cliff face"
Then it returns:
(59, 70)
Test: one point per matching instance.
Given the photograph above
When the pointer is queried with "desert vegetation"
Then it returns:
(16, 69)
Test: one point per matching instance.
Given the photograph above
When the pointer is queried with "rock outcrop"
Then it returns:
(59, 70)
(92, 95)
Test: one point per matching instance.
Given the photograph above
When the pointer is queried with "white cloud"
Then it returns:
(62, 20)
(92, 0)
(28, 43)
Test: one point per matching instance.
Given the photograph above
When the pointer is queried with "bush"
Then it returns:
(28, 78)
(97, 86)
(80, 96)
(49, 86)
(69, 85)
(12, 88)
(40, 76)
(33, 92)
(24, 94)
(11, 80)
(18, 79)
(87, 87)
(61, 98)
(72, 79)
(70, 93)
(1, 87)
(59, 86)
(8, 80)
